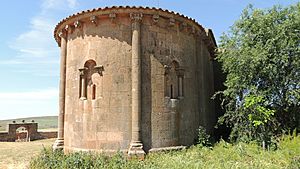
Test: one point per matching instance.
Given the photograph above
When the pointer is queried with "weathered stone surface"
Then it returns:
(135, 80)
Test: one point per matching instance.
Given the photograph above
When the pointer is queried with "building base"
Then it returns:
(136, 150)
(58, 144)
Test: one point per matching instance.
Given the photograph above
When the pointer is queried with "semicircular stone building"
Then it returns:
(133, 79)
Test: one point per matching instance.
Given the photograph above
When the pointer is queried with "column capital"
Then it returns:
(99, 69)
(82, 71)
(167, 69)
(136, 17)
(179, 72)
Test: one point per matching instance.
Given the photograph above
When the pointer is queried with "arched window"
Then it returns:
(173, 80)
(86, 80)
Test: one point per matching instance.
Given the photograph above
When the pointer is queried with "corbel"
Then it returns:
(171, 22)
(155, 19)
(183, 26)
(112, 17)
(192, 30)
(94, 20)
(69, 29)
(136, 17)
(78, 24)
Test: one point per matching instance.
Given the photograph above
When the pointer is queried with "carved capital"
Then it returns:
(179, 72)
(99, 69)
(82, 71)
(136, 17)
(167, 69)
(94, 20)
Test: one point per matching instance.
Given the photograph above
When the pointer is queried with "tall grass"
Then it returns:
(221, 155)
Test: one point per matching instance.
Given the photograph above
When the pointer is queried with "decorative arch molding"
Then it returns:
(87, 84)
(174, 75)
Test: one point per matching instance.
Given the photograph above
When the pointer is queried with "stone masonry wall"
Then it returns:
(6, 137)
(105, 122)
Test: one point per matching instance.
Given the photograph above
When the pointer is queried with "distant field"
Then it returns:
(46, 122)
(18, 154)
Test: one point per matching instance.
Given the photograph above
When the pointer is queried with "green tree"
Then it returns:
(261, 57)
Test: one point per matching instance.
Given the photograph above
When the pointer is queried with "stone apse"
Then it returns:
(133, 79)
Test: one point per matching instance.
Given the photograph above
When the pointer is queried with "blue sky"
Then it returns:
(29, 56)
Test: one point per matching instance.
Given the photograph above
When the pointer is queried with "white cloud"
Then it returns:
(37, 45)
(37, 42)
(37, 54)
(28, 104)
(11, 62)
(21, 61)
(44, 94)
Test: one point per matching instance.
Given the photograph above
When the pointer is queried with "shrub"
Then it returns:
(203, 137)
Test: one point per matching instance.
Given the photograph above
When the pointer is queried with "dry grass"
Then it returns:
(18, 154)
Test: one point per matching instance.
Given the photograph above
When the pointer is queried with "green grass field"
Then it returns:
(44, 123)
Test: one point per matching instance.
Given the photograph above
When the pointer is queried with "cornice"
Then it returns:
(113, 11)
